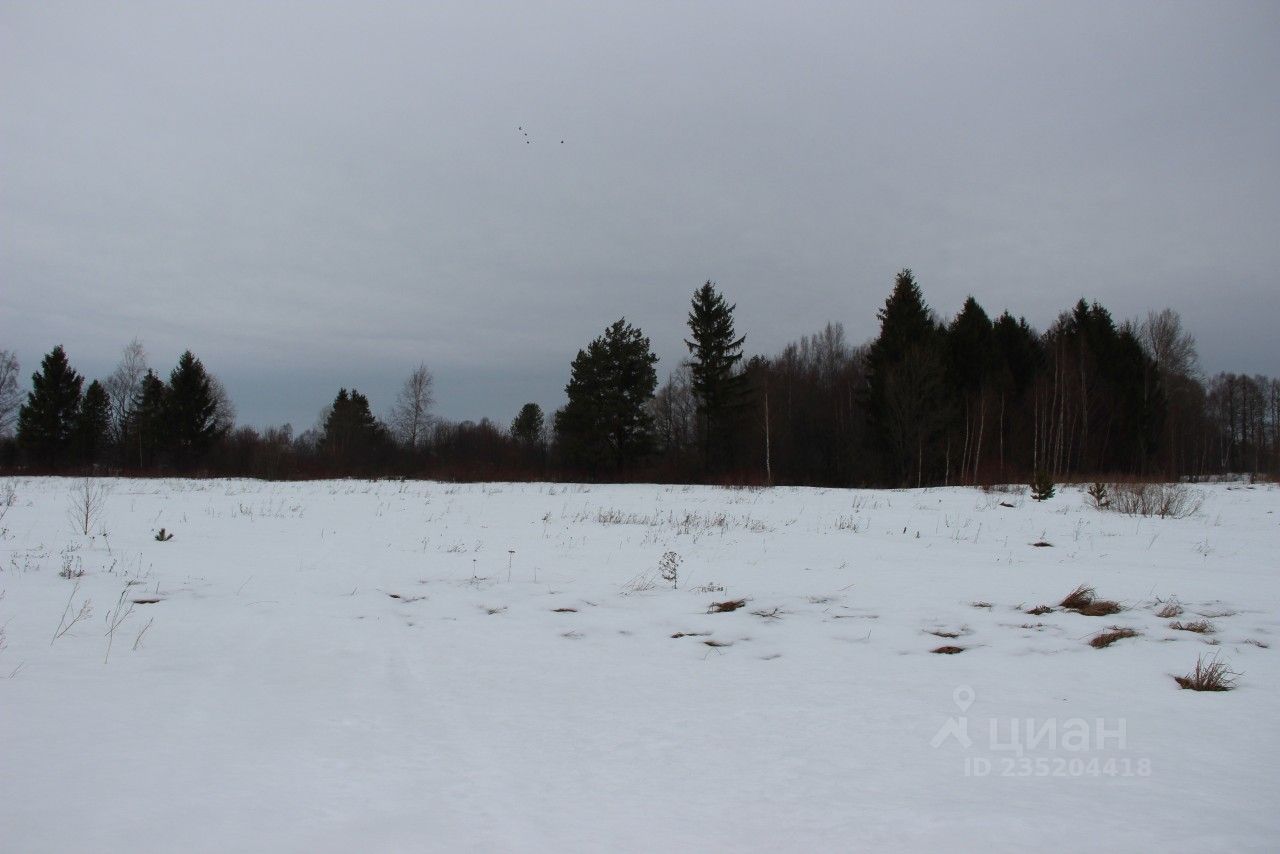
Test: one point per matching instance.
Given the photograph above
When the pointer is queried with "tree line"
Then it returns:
(968, 400)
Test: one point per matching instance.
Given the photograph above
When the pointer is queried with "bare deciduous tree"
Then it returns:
(124, 383)
(86, 502)
(1171, 347)
(9, 396)
(224, 411)
(675, 412)
(411, 415)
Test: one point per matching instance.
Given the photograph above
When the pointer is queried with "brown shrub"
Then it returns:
(1165, 500)
(1107, 638)
(1083, 600)
(948, 650)
(723, 607)
(1079, 597)
(1211, 675)
(1201, 627)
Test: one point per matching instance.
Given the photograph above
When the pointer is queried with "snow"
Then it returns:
(380, 666)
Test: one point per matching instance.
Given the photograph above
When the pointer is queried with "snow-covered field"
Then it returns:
(356, 666)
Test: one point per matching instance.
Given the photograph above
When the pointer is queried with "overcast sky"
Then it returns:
(316, 195)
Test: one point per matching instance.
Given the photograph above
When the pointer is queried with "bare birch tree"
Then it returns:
(411, 415)
(9, 396)
(1169, 345)
(124, 383)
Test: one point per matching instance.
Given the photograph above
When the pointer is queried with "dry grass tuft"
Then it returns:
(947, 635)
(717, 644)
(1259, 644)
(1200, 627)
(1169, 610)
(981, 604)
(948, 650)
(1040, 610)
(1083, 600)
(725, 607)
(1079, 597)
(1211, 675)
(690, 634)
(1102, 640)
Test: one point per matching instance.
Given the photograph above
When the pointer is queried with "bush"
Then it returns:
(1084, 600)
(1102, 640)
(1041, 485)
(1165, 500)
(1211, 675)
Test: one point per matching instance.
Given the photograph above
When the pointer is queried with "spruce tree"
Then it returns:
(147, 435)
(527, 428)
(351, 434)
(607, 418)
(47, 420)
(969, 367)
(905, 380)
(191, 411)
(715, 351)
(93, 424)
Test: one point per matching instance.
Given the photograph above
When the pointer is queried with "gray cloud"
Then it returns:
(318, 195)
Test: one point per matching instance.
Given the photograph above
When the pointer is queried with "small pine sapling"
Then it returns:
(669, 568)
(1041, 485)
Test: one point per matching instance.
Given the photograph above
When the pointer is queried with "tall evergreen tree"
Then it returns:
(527, 428)
(351, 434)
(47, 420)
(904, 381)
(715, 350)
(969, 367)
(1018, 357)
(93, 425)
(607, 419)
(147, 436)
(191, 410)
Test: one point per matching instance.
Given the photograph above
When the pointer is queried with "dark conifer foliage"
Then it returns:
(971, 401)
(607, 421)
(46, 422)
(352, 436)
(191, 412)
(715, 350)
(93, 426)
(147, 437)
(970, 374)
(904, 366)
(528, 428)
